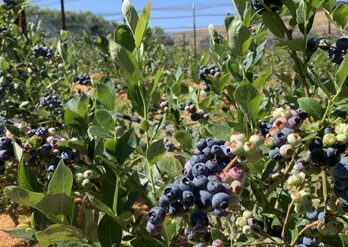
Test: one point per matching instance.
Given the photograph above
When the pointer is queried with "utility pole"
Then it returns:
(194, 31)
(329, 26)
(184, 42)
(63, 14)
(21, 21)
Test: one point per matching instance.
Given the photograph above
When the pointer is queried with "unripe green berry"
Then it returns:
(90, 174)
(247, 214)
(249, 147)
(86, 183)
(241, 221)
(269, 142)
(341, 128)
(286, 151)
(79, 177)
(342, 138)
(293, 139)
(329, 139)
(296, 180)
(237, 147)
(236, 136)
(257, 139)
(247, 230)
(277, 112)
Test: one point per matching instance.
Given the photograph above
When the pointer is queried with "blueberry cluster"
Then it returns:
(169, 145)
(6, 152)
(247, 222)
(258, 5)
(43, 51)
(280, 131)
(10, 3)
(206, 73)
(6, 86)
(85, 80)
(48, 151)
(195, 115)
(206, 184)
(52, 103)
(336, 51)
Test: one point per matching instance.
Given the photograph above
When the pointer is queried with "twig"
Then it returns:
(283, 234)
(315, 223)
(231, 164)
(262, 243)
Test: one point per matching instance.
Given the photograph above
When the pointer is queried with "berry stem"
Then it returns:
(324, 181)
(231, 164)
(262, 243)
(283, 234)
(315, 223)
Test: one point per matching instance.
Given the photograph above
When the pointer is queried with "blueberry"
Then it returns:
(172, 191)
(163, 201)
(332, 155)
(221, 200)
(312, 215)
(188, 198)
(315, 143)
(340, 171)
(175, 208)
(318, 155)
(153, 229)
(342, 43)
(335, 54)
(309, 242)
(203, 199)
(200, 182)
(275, 154)
(328, 130)
(215, 150)
(214, 186)
(312, 44)
(213, 166)
(156, 215)
(207, 152)
(45, 149)
(200, 169)
(321, 216)
(199, 221)
(185, 183)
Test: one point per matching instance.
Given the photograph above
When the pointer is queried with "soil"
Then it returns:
(6, 240)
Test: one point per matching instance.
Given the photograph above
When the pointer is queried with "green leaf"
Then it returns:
(27, 177)
(340, 15)
(274, 24)
(56, 233)
(104, 119)
(155, 151)
(248, 99)
(125, 60)
(311, 106)
(105, 94)
(184, 138)
(239, 35)
(142, 25)
(69, 243)
(124, 37)
(99, 132)
(262, 79)
(341, 74)
(18, 150)
(223, 132)
(22, 233)
(101, 206)
(109, 232)
(23, 197)
(78, 105)
(344, 239)
(130, 14)
(61, 181)
(121, 148)
(295, 44)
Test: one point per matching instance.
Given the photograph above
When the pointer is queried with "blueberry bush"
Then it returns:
(109, 141)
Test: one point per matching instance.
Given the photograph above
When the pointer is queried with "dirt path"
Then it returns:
(6, 240)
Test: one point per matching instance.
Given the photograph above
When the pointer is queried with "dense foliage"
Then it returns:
(117, 140)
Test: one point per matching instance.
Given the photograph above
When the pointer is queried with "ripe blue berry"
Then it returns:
(221, 200)
(203, 199)
(156, 215)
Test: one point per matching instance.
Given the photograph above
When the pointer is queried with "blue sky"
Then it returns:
(170, 15)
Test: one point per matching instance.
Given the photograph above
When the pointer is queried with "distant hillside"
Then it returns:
(76, 21)
(320, 28)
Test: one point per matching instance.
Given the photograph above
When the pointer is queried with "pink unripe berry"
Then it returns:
(294, 122)
(286, 151)
(252, 222)
(236, 187)
(273, 131)
(236, 173)
(226, 177)
(217, 243)
(280, 122)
